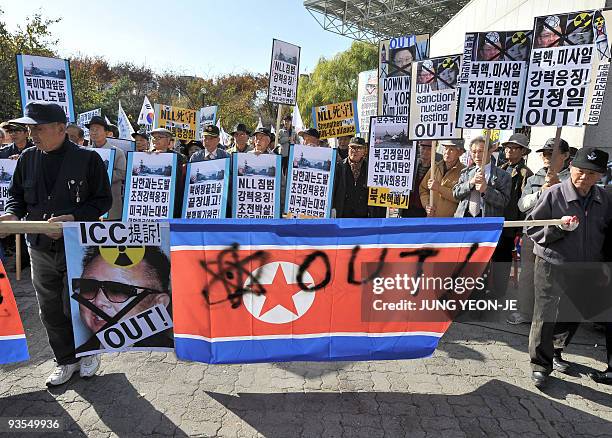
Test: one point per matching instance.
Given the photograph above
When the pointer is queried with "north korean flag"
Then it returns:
(13, 346)
(248, 291)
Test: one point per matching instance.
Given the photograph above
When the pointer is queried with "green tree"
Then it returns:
(335, 80)
(34, 38)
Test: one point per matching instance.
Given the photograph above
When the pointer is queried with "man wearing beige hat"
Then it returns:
(445, 176)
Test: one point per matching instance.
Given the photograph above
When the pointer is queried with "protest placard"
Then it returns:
(367, 98)
(206, 116)
(395, 71)
(310, 181)
(43, 79)
(7, 169)
(206, 189)
(391, 160)
(433, 99)
(284, 73)
(256, 185)
(182, 122)
(568, 69)
(336, 119)
(85, 118)
(383, 197)
(492, 79)
(119, 286)
(149, 186)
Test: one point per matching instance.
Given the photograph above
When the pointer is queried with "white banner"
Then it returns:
(206, 189)
(392, 157)
(149, 186)
(310, 181)
(367, 98)
(284, 73)
(434, 95)
(256, 185)
(7, 169)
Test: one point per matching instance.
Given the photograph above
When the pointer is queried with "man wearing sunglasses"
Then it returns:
(133, 289)
(56, 181)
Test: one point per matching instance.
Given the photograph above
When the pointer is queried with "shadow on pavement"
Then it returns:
(113, 398)
(495, 409)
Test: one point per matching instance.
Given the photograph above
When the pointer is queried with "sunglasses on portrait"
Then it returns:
(114, 292)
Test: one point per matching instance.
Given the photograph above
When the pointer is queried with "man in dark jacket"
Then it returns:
(350, 198)
(57, 181)
(586, 209)
(19, 135)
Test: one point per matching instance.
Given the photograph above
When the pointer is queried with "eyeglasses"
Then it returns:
(356, 147)
(159, 137)
(113, 291)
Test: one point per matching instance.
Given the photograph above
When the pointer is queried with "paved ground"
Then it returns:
(477, 384)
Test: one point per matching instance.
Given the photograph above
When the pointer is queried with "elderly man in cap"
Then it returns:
(350, 198)
(162, 144)
(19, 135)
(483, 189)
(554, 171)
(445, 176)
(263, 139)
(585, 210)
(142, 141)
(241, 139)
(98, 129)
(56, 181)
(311, 137)
(212, 149)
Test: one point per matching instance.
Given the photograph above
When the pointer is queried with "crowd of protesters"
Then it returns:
(495, 183)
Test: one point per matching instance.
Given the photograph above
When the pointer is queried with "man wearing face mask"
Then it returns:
(56, 181)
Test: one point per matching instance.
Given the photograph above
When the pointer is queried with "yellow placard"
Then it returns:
(336, 119)
(383, 197)
(181, 121)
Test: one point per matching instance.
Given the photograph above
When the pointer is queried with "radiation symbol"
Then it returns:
(582, 20)
(599, 22)
(122, 256)
(519, 38)
(448, 63)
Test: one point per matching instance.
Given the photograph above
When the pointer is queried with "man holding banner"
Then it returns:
(56, 181)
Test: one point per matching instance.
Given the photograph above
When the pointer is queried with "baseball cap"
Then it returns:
(41, 113)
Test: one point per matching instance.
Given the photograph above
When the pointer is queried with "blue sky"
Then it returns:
(205, 38)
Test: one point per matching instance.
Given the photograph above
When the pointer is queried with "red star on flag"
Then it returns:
(280, 293)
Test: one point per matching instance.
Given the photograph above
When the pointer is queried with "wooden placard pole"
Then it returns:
(278, 122)
(555, 154)
(485, 151)
(18, 256)
(432, 166)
